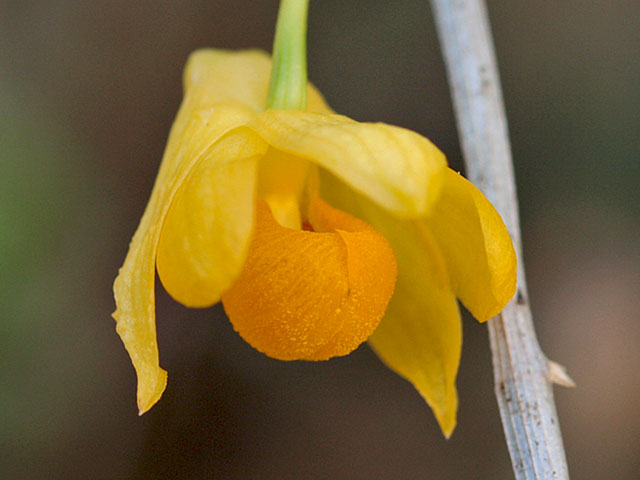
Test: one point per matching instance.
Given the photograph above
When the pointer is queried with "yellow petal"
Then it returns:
(206, 233)
(476, 245)
(236, 76)
(396, 168)
(311, 295)
(193, 132)
(420, 336)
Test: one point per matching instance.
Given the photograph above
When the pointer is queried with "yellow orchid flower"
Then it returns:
(236, 214)
(300, 221)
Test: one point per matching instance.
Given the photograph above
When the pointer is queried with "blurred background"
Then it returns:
(88, 92)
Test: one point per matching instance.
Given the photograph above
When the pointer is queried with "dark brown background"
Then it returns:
(88, 91)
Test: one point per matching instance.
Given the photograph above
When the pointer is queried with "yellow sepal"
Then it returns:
(215, 76)
(396, 168)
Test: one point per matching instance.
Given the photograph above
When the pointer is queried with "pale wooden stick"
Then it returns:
(523, 376)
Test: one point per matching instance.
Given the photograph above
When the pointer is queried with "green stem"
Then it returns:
(288, 87)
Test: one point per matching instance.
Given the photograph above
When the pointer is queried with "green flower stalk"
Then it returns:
(288, 86)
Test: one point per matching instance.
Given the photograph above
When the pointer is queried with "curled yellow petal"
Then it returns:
(476, 246)
(207, 230)
(420, 336)
(311, 294)
(396, 168)
(192, 134)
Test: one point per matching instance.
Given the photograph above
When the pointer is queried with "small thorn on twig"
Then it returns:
(558, 375)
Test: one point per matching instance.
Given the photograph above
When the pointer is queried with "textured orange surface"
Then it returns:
(312, 295)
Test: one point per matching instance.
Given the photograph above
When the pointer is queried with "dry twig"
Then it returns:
(523, 375)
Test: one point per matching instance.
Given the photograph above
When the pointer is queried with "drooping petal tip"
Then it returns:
(152, 380)
(446, 412)
(149, 396)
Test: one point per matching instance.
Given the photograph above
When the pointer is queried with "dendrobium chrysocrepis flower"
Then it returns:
(300, 222)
